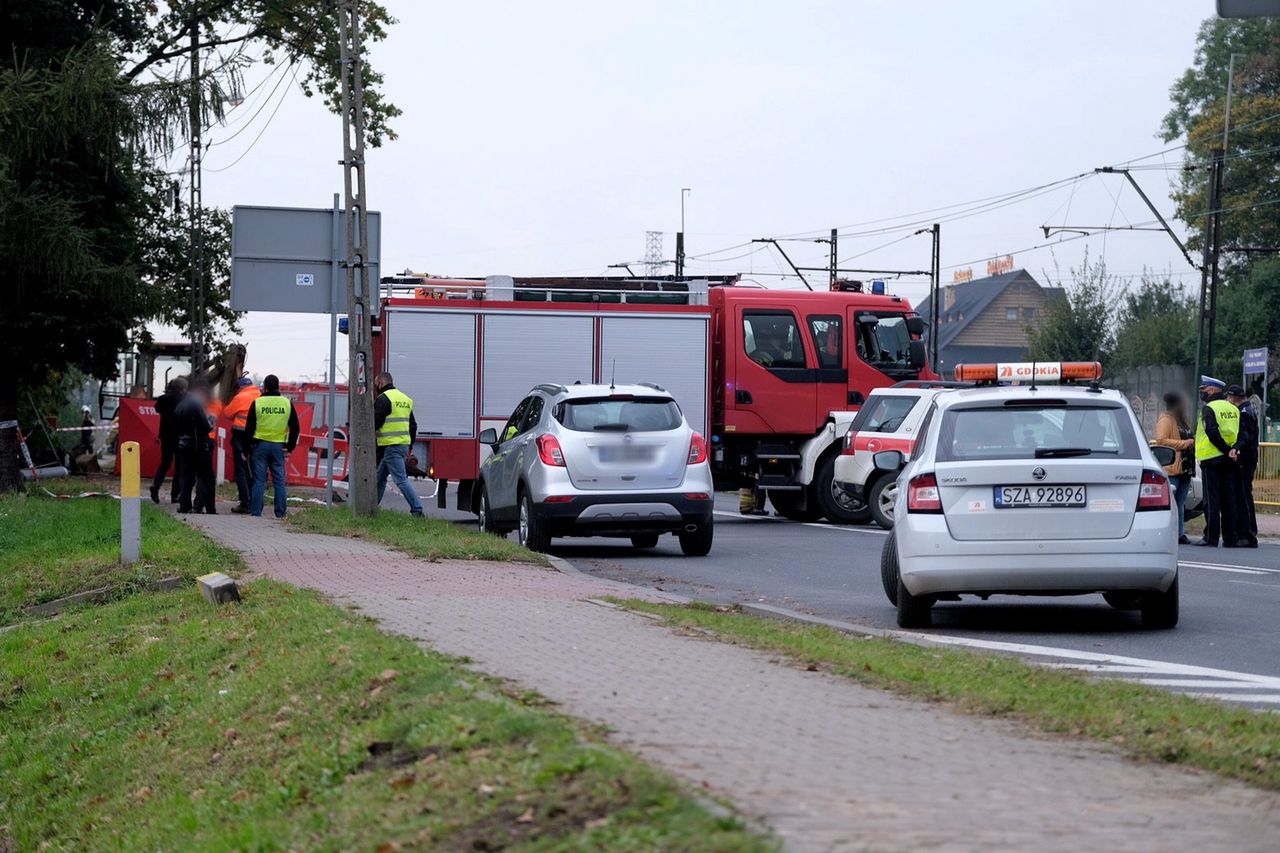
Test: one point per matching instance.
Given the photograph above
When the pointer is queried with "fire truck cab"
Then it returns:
(773, 377)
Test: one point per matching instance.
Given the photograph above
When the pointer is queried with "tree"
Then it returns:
(1155, 325)
(1079, 326)
(70, 214)
(1251, 181)
(92, 94)
(1248, 317)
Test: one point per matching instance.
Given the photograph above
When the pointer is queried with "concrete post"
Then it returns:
(130, 504)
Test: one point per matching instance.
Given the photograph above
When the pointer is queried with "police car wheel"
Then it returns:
(889, 568)
(1160, 609)
(914, 611)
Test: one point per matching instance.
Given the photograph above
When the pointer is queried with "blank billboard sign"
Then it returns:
(282, 258)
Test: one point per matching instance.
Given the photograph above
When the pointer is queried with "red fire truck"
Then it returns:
(773, 377)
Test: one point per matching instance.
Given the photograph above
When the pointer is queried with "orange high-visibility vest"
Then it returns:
(214, 410)
(238, 408)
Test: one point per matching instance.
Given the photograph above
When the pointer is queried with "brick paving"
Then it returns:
(825, 763)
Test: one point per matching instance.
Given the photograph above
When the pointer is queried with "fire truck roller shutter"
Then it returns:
(668, 351)
(432, 357)
(524, 350)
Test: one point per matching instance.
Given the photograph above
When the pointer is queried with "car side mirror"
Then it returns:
(917, 353)
(1164, 455)
(887, 460)
(489, 436)
(915, 325)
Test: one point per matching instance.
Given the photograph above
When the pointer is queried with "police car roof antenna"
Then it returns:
(613, 373)
(1033, 375)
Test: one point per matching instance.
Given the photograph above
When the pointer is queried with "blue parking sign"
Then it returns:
(1255, 360)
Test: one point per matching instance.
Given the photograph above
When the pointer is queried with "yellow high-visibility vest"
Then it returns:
(395, 429)
(271, 416)
(1228, 417)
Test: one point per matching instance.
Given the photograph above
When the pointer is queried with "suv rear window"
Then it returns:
(1045, 429)
(884, 413)
(619, 414)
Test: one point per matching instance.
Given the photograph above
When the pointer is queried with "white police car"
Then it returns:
(1033, 489)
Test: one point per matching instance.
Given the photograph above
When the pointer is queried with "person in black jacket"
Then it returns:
(194, 450)
(166, 403)
(1247, 446)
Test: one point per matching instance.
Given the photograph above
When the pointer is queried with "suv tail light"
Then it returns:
(1153, 493)
(697, 449)
(549, 451)
(922, 494)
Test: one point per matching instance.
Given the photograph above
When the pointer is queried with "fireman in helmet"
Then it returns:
(395, 426)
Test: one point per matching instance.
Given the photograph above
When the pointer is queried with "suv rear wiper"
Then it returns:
(1063, 452)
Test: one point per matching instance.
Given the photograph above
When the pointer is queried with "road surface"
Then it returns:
(1226, 643)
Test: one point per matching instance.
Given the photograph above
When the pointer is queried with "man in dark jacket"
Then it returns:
(166, 403)
(1247, 447)
(194, 450)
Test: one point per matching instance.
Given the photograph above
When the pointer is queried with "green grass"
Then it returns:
(427, 538)
(52, 548)
(1146, 722)
(160, 722)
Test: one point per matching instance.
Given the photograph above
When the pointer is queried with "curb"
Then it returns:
(563, 566)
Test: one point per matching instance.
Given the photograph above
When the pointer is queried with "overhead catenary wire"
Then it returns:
(270, 118)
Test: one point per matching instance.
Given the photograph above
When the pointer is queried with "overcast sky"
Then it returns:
(546, 138)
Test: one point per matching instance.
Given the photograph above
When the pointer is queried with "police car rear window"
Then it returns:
(1052, 429)
(619, 414)
(884, 413)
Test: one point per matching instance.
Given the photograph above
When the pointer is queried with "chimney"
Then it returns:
(948, 298)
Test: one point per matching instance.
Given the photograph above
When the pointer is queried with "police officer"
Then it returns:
(272, 426)
(1216, 432)
(395, 426)
(1247, 446)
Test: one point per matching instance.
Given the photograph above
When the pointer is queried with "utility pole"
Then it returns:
(196, 212)
(364, 496)
(680, 236)
(935, 273)
(1209, 269)
(834, 264)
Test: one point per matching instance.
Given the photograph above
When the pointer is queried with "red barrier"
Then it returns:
(139, 422)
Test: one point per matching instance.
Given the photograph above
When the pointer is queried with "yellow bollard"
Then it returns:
(130, 504)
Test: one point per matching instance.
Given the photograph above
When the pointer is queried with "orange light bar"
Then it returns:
(976, 372)
(1027, 371)
(1090, 370)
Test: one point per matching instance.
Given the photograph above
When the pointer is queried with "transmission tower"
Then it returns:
(653, 254)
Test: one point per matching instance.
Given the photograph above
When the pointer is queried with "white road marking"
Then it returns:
(1228, 569)
(1224, 566)
(1139, 670)
(837, 527)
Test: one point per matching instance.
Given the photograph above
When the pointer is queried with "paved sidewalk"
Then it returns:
(828, 764)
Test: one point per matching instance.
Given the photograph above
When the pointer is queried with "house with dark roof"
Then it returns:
(988, 319)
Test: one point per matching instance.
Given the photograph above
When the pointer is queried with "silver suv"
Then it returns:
(597, 460)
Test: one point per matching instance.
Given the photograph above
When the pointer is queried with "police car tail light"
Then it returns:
(848, 444)
(1153, 492)
(922, 494)
(697, 449)
(549, 451)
